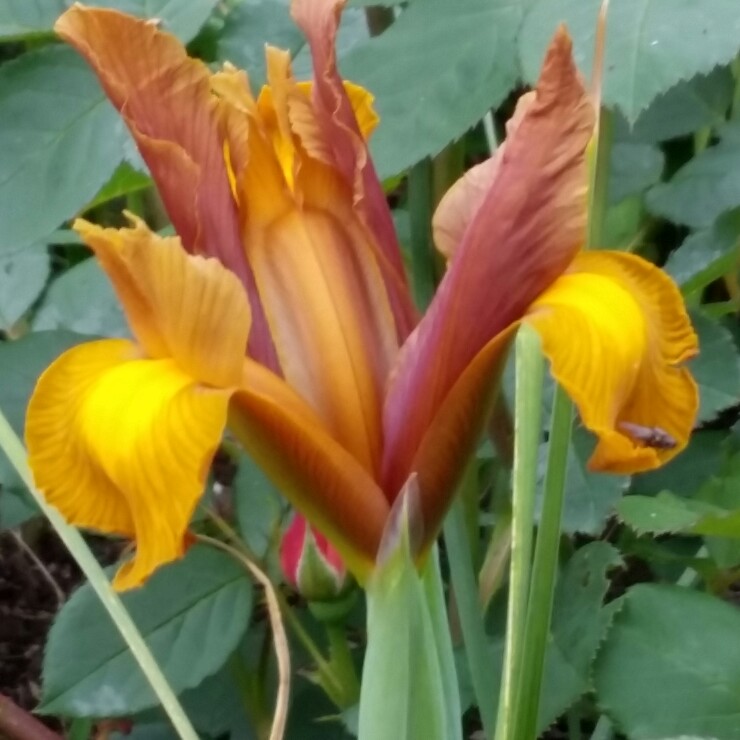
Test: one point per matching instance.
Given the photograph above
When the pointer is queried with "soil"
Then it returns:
(29, 598)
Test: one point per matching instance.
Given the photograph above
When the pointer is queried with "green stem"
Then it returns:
(329, 681)
(544, 569)
(598, 191)
(110, 600)
(421, 207)
(735, 109)
(343, 666)
(574, 725)
(530, 367)
(462, 576)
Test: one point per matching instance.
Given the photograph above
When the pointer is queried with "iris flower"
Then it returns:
(281, 308)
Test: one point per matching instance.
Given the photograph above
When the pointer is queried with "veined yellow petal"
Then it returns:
(187, 308)
(616, 332)
(124, 445)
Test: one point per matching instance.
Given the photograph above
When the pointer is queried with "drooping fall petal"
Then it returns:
(120, 436)
(616, 332)
(165, 99)
(524, 233)
(123, 445)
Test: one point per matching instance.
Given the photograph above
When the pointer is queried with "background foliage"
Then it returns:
(653, 660)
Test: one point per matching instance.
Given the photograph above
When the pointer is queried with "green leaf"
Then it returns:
(716, 369)
(661, 514)
(23, 276)
(21, 363)
(706, 255)
(409, 686)
(183, 18)
(688, 106)
(579, 622)
(192, 613)
(635, 166)
(671, 665)
(589, 497)
(61, 141)
(125, 180)
(705, 187)
(260, 509)
(650, 44)
(427, 100)
(82, 300)
(248, 27)
(21, 18)
(687, 472)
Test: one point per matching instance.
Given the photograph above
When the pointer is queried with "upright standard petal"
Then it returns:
(336, 123)
(616, 332)
(123, 445)
(165, 99)
(528, 226)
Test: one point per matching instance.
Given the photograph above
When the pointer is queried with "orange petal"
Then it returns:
(188, 308)
(123, 445)
(446, 447)
(529, 224)
(616, 332)
(338, 127)
(324, 481)
(165, 99)
(330, 322)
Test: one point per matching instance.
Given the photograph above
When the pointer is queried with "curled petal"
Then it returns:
(123, 445)
(187, 308)
(616, 332)
(320, 478)
(529, 223)
(166, 101)
(336, 123)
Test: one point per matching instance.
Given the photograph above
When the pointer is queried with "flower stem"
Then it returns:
(530, 367)
(599, 187)
(468, 604)
(544, 569)
(421, 207)
(110, 600)
(342, 665)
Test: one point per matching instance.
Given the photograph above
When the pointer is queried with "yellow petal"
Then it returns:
(616, 332)
(123, 445)
(187, 308)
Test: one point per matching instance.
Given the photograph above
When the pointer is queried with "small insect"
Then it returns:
(648, 436)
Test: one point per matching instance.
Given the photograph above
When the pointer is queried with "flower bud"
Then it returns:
(310, 564)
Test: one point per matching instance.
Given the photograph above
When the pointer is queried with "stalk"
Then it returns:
(530, 368)
(84, 557)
